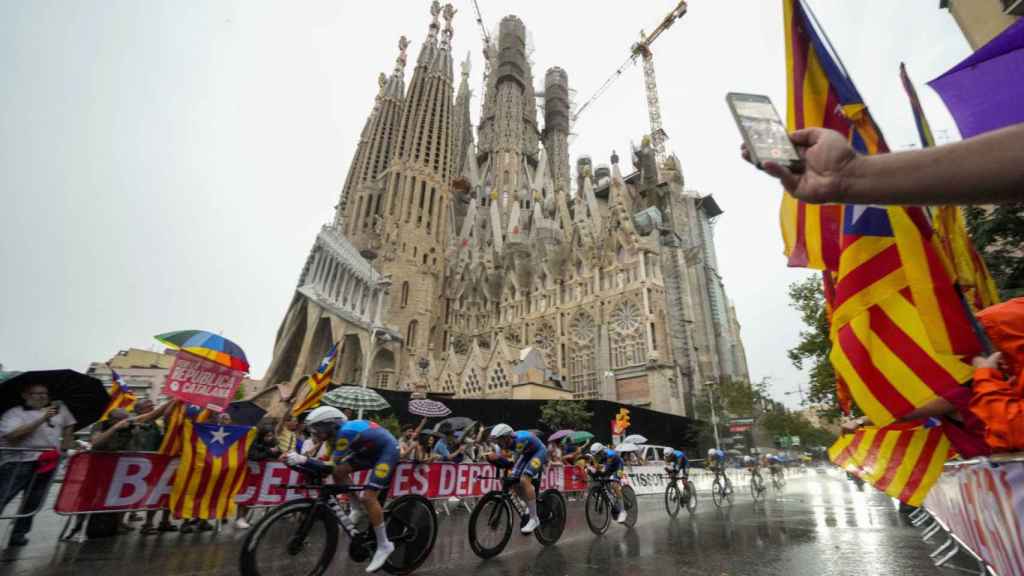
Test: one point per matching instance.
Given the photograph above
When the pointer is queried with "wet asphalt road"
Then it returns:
(820, 525)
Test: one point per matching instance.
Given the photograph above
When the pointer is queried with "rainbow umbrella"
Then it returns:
(207, 345)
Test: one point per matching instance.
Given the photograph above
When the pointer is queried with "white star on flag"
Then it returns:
(218, 436)
(859, 210)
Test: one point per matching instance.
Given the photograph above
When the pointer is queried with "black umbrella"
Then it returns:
(245, 413)
(83, 395)
(454, 424)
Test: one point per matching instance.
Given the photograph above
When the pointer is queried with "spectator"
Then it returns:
(36, 424)
(147, 437)
(264, 448)
(998, 396)
(287, 436)
(408, 445)
(447, 448)
(112, 435)
(985, 169)
(554, 452)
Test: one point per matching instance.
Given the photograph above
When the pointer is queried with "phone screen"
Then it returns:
(764, 131)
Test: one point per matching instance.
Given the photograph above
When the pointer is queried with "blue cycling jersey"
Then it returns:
(526, 443)
(361, 438)
(611, 461)
(680, 462)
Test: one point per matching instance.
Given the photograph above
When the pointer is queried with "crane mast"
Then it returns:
(642, 50)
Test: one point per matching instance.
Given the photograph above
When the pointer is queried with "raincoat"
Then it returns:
(998, 395)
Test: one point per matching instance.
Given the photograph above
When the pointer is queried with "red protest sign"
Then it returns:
(201, 382)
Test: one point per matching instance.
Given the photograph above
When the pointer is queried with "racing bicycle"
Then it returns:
(490, 523)
(301, 537)
(674, 497)
(757, 486)
(721, 488)
(778, 480)
(599, 504)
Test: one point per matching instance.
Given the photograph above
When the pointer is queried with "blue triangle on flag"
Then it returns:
(218, 438)
(866, 221)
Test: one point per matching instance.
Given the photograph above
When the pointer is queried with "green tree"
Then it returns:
(814, 347)
(558, 414)
(998, 234)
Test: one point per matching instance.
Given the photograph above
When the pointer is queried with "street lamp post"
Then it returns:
(714, 417)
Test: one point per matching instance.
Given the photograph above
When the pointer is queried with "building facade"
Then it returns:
(983, 20)
(490, 243)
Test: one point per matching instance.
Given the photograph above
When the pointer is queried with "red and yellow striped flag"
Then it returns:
(120, 396)
(318, 382)
(174, 427)
(903, 460)
(211, 471)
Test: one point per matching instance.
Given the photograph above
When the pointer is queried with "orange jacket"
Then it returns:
(996, 400)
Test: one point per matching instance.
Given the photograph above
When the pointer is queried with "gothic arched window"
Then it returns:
(410, 335)
(405, 294)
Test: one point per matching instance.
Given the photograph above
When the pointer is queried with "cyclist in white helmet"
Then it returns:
(609, 464)
(531, 457)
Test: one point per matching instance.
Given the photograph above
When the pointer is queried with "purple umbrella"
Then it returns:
(984, 92)
(428, 408)
(559, 435)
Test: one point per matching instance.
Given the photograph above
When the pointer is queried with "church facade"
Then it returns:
(455, 248)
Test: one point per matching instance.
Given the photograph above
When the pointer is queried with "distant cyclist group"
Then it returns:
(301, 536)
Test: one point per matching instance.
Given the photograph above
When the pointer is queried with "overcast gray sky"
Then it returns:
(166, 165)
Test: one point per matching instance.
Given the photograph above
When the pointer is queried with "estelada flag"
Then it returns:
(175, 425)
(211, 471)
(120, 396)
(820, 95)
(318, 382)
(903, 460)
(962, 260)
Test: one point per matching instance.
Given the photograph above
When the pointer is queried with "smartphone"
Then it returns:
(763, 130)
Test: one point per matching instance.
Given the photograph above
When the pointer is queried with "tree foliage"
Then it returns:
(814, 347)
(998, 234)
(785, 423)
(559, 414)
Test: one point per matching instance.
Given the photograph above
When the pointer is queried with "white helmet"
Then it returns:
(501, 430)
(667, 452)
(597, 447)
(326, 414)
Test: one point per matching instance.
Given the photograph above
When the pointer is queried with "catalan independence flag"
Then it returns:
(120, 396)
(211, 471)
(317, 382)
(903, 460)
(962, 260)
(820, 95)
(174, 426)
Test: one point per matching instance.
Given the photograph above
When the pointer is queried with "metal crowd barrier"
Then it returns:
(21, 482)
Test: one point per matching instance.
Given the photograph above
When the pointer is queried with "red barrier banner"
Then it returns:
(984, 506)
(201, 382)
(112, 481)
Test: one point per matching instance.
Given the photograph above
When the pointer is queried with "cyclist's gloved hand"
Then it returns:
(295, 459)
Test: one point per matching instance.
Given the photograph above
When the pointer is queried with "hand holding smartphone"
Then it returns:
(763, 131)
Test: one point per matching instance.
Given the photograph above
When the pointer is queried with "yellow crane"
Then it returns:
(642, 50)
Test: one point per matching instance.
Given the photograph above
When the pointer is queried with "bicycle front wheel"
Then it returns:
(672, 499)
(598, 511)
(551, 513)
(690, 492)
(755, 487)
(296, 539)
(630, 504)
(412, 528)
(490, 525)
(717, 493)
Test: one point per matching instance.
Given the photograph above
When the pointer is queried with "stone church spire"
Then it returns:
(463, 128)
(362, 196)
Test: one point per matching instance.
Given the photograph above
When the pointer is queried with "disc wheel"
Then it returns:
(631, 506)
(690, 493)
(296, 539)
(672, 499)
(412, 528)
(730, 494)
(551, 513)
(598, 511)
(490, 525)
(756, 487)
(717, 493)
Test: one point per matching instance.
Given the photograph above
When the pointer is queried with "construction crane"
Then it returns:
(642, 50)
(487, 40)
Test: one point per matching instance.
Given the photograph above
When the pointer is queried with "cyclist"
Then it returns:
(358, 445)
(716, 460)
(676, 462)
(611, 468)
(530, 459)
(774, 465)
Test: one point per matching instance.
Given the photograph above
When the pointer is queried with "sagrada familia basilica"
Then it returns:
(480, 261)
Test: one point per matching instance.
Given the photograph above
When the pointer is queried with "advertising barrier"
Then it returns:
(982, 503)
(109, 481)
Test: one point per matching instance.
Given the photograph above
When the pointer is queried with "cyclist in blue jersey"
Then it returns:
(609, 464)
(716, 459)
(531, 456)
(358, 445)
(676, 462)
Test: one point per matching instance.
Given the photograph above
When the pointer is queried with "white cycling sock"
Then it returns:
(532, 505)
(382, 534)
